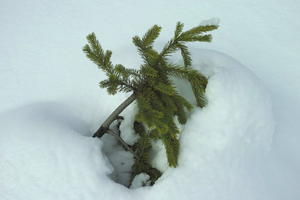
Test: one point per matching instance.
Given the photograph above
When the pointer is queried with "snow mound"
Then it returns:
(222, 143)
(45, 155)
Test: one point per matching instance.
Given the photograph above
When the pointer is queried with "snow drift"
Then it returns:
(46, 155)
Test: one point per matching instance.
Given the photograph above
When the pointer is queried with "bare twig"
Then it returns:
(113, 116)
(125, 145)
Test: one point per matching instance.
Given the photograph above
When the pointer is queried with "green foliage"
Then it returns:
(120, 79)
(142, 150)
(157, 98)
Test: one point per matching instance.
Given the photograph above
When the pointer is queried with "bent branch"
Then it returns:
(125, 145)
(113, 116)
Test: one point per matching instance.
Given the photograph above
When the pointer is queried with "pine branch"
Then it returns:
(185, 55)
(95, 53)
(151, 35)
(191, 35)
(185, 73)
(119, 76)
(157, 99)
(197, 30)
(178, 30)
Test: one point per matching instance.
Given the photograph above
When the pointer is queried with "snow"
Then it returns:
(120, 160)
(219, 143)
(222, 145)
(140, 180)
(212, 21)
(50, 103)
(44, 157)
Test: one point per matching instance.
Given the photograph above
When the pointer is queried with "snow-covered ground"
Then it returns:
(50, 103)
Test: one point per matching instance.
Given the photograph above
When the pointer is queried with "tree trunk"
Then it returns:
(113, 116)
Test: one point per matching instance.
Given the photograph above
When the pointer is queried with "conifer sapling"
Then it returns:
(151, 87)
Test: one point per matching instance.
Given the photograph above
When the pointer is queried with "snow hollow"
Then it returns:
(47, 153)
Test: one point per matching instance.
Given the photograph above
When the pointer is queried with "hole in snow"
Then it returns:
(123, 160)
(120, 159)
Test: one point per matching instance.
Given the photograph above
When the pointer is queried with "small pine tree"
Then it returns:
(157, 98)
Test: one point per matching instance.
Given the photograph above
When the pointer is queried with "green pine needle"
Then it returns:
(157, 98)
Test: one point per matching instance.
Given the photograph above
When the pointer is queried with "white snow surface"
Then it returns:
(140, 180)
(44, 154)
(50, 103)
